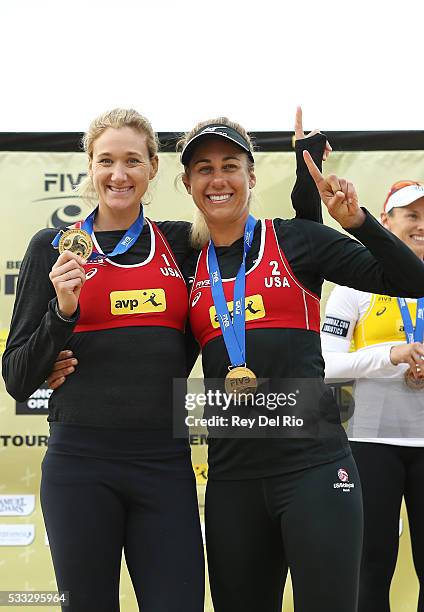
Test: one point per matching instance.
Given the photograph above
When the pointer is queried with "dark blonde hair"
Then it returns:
(199, 235)
(115, 118)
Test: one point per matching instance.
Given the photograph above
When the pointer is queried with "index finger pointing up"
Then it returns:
(298, 124)
(313, 170)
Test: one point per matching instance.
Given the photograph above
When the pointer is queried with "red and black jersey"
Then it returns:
(151, 292)
(289, 348)
(124, 377)
(275, 298)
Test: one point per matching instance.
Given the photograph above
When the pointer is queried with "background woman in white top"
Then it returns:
(387, 428)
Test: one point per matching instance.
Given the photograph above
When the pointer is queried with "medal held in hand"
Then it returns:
(240, 380)
(413, 335)
(77, 241)
(417, 384)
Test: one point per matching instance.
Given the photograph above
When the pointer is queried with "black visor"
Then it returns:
(222, 131)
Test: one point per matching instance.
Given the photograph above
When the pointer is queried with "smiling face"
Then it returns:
(121, 170)
(219, 180)
(407, 223)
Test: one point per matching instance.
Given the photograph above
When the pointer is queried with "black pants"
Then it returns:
(256, 529)
(130, 494)
(388, 473)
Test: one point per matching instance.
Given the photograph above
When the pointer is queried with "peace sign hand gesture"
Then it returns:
(338, 194)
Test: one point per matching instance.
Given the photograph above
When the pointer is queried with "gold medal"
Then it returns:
(77, 241)
(417, 384)
(241, 380)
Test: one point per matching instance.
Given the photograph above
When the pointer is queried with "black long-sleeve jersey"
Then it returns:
(314, 252)
(124, 375)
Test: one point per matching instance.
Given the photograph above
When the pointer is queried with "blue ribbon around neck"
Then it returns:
(125, 243)
(417, 334)
(233, 331)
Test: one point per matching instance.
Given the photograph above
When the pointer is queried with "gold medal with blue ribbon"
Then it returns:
(240, 379)
(78, 240)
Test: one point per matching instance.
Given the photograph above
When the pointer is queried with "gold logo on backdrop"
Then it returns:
(137, 302)
(253, 306)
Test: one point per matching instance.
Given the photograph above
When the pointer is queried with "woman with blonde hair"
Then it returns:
(113, 479)
(277, 497)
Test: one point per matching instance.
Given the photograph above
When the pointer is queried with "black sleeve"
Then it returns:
(385, 266)
(305, 197)
(37, 333)
(192, 348)
(177, 234)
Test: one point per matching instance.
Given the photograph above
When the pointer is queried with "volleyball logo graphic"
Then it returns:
(343, 475)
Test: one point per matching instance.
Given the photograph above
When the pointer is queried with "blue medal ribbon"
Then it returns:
(125, 243)
(417, 334)
(233, 331)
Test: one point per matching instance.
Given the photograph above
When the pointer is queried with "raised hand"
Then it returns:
(338, 194)
(68, 277)
(299, 134)
(63, 366)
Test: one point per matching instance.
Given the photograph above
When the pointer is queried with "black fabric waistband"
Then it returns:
(114, 443)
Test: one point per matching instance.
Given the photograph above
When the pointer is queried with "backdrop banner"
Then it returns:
(38, 192)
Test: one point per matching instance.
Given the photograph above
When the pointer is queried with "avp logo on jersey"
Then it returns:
(344, 483)
(254, 309)
(137, 302)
